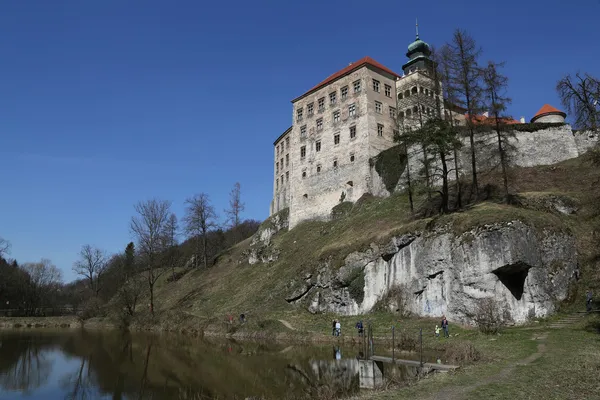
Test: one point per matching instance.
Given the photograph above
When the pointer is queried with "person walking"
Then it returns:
(588, 300)
(338, 328)
(445, 327)
(360, 328)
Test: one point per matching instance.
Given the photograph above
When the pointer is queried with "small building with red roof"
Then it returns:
(549, 114)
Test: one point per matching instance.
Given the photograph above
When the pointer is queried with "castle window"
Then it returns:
(335, 164)
(277, 184)
(415, 90)
(352, 132)
(336, 138)
(310, 109)
(379, 130)
(318, 146)
(378, 107)
(303, 131)
(422, 90)
(281, 180)
(352, 110)
(276, 167)
(356, 85)
(416, 109)
(320, 124)
(281, 162)
(396, 133)
(287, 143)
(400, 96)
(332, 98)
(299, 112)
(302, 152)
(322, 104)
(305, 196)
(287, 176)
(408, 113)
(344, 92)
(350, 183)
(303, 174)
(375, 85)
(388, 90)
(392, 112)
(318, 168)
(401, 114)
(351, 157)
(336, 116)
(287, 160)
(426, 92)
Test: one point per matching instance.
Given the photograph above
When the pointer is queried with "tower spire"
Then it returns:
(417, 27)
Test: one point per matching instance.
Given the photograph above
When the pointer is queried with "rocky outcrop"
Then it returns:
(526, 270)
(261, 248)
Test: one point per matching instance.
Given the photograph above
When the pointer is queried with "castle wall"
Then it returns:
(543, 147)
(585, 140)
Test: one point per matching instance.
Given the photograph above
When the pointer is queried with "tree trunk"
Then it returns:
(444, 182)
(502, 160)
(458, 187)
(410, 195)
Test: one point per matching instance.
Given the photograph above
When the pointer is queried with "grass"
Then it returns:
(568, 368)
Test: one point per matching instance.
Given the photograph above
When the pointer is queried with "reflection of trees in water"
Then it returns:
(24, 366)
(119, 365)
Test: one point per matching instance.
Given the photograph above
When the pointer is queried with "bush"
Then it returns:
(489, 316)
(460, 352)
(357, 287)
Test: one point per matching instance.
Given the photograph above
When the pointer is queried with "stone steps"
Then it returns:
(566, 321)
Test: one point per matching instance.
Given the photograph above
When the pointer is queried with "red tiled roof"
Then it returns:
(547, 109)
(483, 120)
(350, 68)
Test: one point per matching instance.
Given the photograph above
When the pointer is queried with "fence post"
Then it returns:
(421, 340)
(393, 343)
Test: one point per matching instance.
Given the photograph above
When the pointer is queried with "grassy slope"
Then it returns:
(204, 297)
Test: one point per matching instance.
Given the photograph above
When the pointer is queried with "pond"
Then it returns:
(38, 364)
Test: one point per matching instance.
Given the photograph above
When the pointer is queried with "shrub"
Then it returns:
(357, 287)
(396, 299)
(489, 316)
(460, 352)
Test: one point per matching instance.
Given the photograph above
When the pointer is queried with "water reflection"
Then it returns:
(94, 365)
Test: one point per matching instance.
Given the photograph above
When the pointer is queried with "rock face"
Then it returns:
(260, 247)
(438, 273)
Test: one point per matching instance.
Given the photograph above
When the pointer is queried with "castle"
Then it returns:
(351, 117)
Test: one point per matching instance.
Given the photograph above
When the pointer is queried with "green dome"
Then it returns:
(419, 46)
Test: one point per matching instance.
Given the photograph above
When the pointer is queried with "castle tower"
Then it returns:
(549, 114)
(419, 90)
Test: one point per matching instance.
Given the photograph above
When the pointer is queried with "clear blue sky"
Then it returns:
(105, 103)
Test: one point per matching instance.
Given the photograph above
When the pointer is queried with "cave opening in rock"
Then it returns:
(513, 277)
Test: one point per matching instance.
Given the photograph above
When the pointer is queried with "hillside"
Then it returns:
(560, 199)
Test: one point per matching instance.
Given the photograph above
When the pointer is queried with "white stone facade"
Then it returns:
(330, 146)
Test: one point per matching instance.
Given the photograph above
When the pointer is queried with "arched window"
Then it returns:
(407, 93)
(400, 96)
(408, 113)
(401, 114)
(414, 90)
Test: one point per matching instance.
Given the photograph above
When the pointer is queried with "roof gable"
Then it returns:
(346, 71)
(548, 109)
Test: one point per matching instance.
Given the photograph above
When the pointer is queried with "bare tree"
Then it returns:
(495, 85)
(44, 278)
(465, 78)
(200, 218)
(149, 227)
(235, 206)
(580, 95)
(4, 247)
(91, 266)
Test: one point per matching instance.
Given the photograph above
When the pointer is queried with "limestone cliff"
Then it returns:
(439, 272)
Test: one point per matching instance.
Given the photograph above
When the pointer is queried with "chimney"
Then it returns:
(522, 120)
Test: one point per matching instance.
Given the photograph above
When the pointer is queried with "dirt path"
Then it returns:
(460, 392)
(286, 324)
